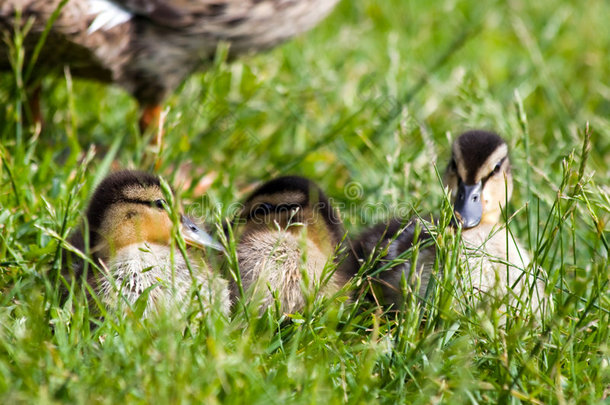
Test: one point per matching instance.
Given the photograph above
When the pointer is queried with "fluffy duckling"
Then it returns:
(397, 236)
(480, 182)
(150, 46)
(289, 237)
(129, 235)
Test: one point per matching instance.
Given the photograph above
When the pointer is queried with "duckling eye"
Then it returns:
(159, 204)
(263, 209)
(453, 165)
(497, 168)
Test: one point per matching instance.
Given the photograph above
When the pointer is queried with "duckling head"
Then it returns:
(479, 178)
(128, 208)
(291, 203)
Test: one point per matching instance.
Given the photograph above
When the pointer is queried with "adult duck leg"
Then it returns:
(150, 117)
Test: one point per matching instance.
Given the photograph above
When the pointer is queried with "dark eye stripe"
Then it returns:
(141, 202)
(499, 164)
(494, 171)
(263, 209)
(287, 207)
(260, 210)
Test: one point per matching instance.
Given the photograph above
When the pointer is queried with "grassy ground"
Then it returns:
(366, 104)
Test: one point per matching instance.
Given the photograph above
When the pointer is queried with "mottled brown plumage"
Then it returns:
(149, 46)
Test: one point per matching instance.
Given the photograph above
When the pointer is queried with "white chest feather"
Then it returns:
(146, 268)
(497, 265)
(283, 264)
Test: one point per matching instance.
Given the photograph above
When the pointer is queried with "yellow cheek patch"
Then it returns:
(157, 227)
(494, 198)
(128, 224)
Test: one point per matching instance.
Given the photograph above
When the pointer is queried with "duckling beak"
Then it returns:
(195, 236)
(468, 207)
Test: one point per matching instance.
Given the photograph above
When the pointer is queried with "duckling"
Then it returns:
(288, 241)
(479, 179)
(149, 47)
(397, 236)
(129, 235)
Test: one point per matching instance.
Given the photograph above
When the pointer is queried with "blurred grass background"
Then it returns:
(365, 104)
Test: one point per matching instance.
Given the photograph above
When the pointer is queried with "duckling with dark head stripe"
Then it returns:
(479, 180)
(130, 234)
(290, 234)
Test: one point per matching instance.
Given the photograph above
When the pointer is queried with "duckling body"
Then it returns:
(130, 233)
(480, 181)
(397, 236)
(288, 243)
(485, 250)
(149, 46)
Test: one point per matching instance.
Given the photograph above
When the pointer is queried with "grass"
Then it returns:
(363, 104)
